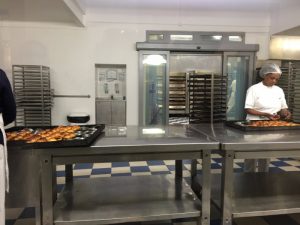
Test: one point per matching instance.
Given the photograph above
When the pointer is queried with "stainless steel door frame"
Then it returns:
(251, 67)
(141, 85)
(252, 61)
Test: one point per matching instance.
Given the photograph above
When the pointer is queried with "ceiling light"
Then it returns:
(153, 131)
(217, 37)
(154, 60)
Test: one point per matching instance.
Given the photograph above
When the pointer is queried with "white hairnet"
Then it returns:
(269, 68)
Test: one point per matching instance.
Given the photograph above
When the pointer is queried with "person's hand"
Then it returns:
(273, 116)
(285, 114)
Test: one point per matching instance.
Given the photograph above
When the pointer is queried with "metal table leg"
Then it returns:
(227, 188)
(206, 187)
(69, 172)
(178, 168)
(47, 190)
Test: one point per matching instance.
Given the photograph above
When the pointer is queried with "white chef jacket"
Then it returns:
(264, 99)
(3, 173)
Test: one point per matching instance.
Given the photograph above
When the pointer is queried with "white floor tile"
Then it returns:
(82, 172)
(101, 165)
(60, 167)
(141, 174)
(158, 168)
(100, 175)
(169, 162)
(138, 163)
(188, 166)
(293, 162)
(216, 156)
(186, 173)
(120, 170)
(289, 168)
(60, 180)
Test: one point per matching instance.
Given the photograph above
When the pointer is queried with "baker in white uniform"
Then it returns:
(265, 101)
(7, 115)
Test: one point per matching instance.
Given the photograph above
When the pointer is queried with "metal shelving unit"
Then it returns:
(33, 95)
(207, 97)
(290, 83)
(295, 71)
(178, 94)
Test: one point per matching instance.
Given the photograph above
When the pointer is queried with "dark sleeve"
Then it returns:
(7, 100)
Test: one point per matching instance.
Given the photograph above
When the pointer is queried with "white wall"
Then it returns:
(72, 53)
(285, 15)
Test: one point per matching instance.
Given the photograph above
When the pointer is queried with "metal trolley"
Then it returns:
(33, 95)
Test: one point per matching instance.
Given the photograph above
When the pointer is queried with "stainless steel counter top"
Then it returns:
(234, 139)
(176, 136)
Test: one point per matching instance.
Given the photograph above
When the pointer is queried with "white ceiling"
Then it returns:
(35, 11)
(78, 11)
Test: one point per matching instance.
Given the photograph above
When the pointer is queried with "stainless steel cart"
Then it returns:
(254, 194)
(128, 199)
(33, 95)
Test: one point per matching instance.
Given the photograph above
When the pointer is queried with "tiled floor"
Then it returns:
(26, 216)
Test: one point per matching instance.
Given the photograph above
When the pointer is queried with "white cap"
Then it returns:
(269, 68)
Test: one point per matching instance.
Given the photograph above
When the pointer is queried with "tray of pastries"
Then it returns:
(257, 125)
(54, 136)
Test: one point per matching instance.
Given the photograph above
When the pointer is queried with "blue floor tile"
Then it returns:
(186, 161)
(218, 160)
(155, 162)
(101, 171)
(27, 213)
(10, 222)
(275, 170)
(280, 163)
(140, 169)
(215, 166)
(238, 170)
(84, 176)
(120, 164)
(60, 173)
(59, 187)
(80, 166)
(171, 167)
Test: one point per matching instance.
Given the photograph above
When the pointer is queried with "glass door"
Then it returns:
(153, 87)
(239, 68)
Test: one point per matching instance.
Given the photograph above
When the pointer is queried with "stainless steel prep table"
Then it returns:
(254, 194)
(128, 199)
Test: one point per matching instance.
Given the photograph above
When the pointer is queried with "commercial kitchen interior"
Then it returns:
(81, 39)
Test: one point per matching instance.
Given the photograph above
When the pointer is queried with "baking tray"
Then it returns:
(242, 125)
(87, 141)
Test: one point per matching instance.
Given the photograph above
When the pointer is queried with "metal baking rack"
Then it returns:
(287, 83)
(33, 95)
(293, 94)
(207, 97)
(178, 94)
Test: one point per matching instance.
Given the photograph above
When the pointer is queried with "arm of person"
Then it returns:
(285, 113)
(8, 100)
(258, 113)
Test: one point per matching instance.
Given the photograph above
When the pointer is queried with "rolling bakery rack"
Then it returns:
(178, 94)
(207, 97)
(33, 95)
